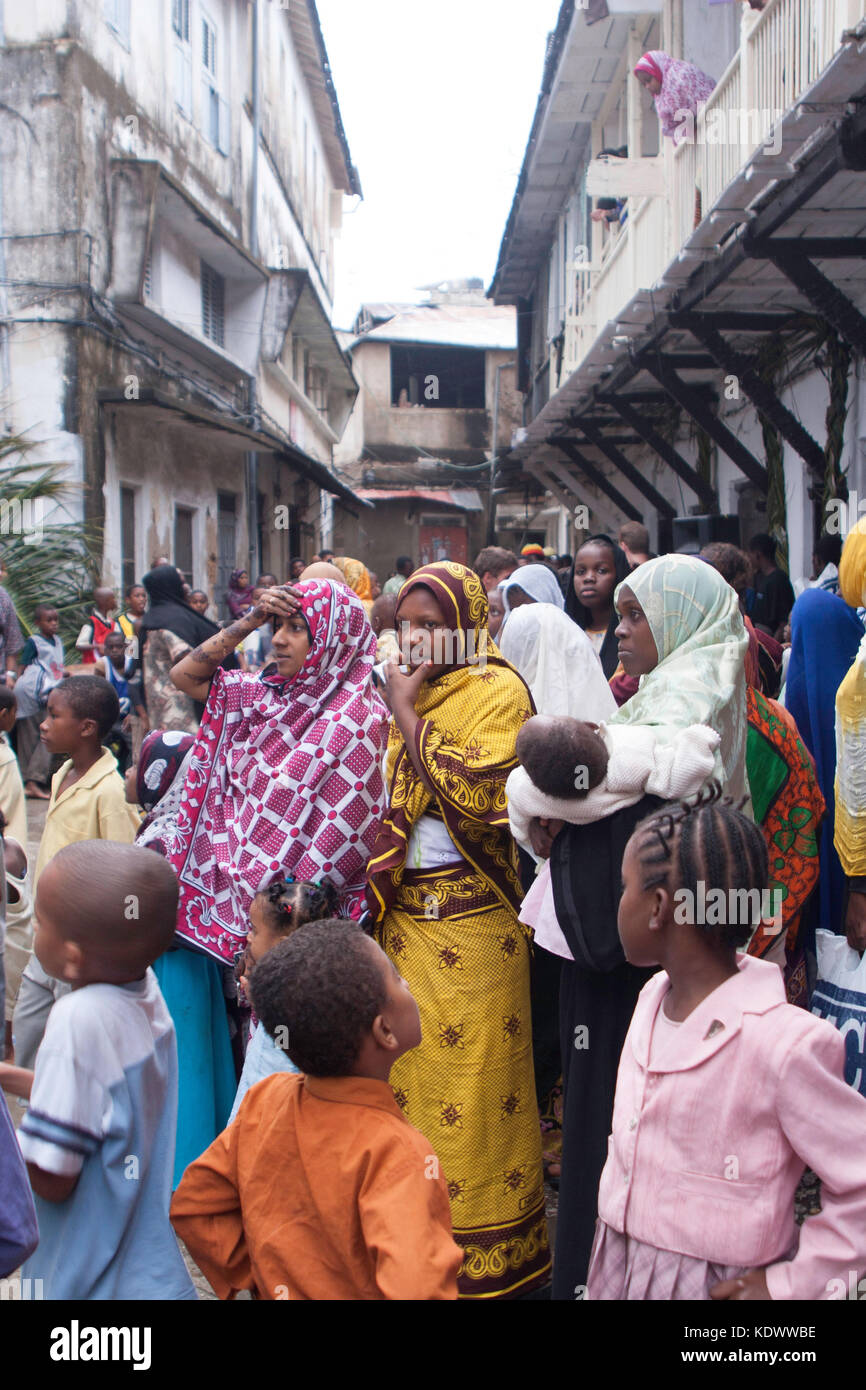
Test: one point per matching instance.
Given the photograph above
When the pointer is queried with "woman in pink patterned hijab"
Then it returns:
(678, 89)
(284, 777)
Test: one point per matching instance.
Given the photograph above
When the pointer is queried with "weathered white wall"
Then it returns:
(711, 35)
(375, 421)
(90, 98)
(139, 456)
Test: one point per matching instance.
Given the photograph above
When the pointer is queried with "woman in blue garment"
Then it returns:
(825, 636)
(192, 983)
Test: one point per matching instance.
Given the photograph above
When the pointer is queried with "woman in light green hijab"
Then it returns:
(682, 632)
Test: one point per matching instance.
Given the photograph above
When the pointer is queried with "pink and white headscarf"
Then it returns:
(684, 87)
(284, 778)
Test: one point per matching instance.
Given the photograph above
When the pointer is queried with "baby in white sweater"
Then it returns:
(578, 772)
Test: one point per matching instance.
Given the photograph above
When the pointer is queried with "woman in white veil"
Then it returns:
(557, 660)
(559, 664)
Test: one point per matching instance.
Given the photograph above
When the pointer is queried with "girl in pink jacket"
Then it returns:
(725, 1092)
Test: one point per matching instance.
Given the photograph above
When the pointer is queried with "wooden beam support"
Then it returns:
(595, 475)
(703, 490)
(830, 302)
(816, 248)
(692, 404)
(627, 468)
(758, 391)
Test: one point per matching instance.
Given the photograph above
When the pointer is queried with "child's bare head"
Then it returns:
(331, 998)
(104, 912)
(114, 647)
(563, 757)
(81, 710)
(383, 614)
(105, 598)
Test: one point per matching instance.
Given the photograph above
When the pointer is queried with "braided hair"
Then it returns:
(288, 904)
(705, 840)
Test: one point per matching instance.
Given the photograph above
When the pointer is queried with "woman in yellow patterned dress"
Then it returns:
(444, 890)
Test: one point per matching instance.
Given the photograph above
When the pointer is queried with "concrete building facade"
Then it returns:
(419, 442)
(173, 174)
(695, 355)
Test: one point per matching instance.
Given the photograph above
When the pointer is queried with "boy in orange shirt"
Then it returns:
(321, 1188)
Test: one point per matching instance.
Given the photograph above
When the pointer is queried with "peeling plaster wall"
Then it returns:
(75, 98)
(138, 456)
(376, 422)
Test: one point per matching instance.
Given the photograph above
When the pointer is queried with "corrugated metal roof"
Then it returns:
(450, 325)
(468, 499)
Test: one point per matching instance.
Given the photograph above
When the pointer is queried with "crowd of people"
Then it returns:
(367, 917)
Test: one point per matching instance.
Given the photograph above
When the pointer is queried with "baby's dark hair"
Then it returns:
(323, 986)
(564, 757)
(707, 839)
(288, 905)
(7, 698)
(91, 697)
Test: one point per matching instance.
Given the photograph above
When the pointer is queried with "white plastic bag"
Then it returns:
(840, 997)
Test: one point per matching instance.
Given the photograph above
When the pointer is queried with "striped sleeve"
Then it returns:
(70, 1103)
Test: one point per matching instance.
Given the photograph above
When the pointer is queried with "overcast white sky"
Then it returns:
(437, 98)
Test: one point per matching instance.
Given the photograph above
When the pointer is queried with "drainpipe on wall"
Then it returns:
(491, 501)
(252, 460)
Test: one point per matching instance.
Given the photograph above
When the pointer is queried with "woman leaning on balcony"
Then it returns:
(677, 88)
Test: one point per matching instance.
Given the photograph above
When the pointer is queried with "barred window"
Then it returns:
(213, 288)
(180, 18)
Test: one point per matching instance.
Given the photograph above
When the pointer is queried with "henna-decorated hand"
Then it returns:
(280, 602)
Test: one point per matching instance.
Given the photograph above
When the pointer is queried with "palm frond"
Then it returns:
(47, 561)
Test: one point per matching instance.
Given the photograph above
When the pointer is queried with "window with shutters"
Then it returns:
(227, 544)
(128, 567)
(214, 109)
(208, 46)
(183, 542)
(317, 388)
(180, 18)
(213, 294)
(117, 18)
(182, 56)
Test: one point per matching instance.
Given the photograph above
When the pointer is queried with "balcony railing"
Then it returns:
(788, 46)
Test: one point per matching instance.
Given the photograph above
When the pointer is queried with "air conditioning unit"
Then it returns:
(692, 533)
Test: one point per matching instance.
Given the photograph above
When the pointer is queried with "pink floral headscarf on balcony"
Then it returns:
(684, 87)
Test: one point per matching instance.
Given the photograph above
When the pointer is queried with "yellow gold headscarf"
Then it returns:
(468, 721)
(852, 567)
(850, 827)
(357, 576)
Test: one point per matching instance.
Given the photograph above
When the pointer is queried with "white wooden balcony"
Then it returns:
(783, 51)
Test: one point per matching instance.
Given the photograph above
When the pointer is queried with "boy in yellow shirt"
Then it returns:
(12, 800)
(88, 802)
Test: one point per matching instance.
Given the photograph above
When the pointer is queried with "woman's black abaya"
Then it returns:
(598, 992)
